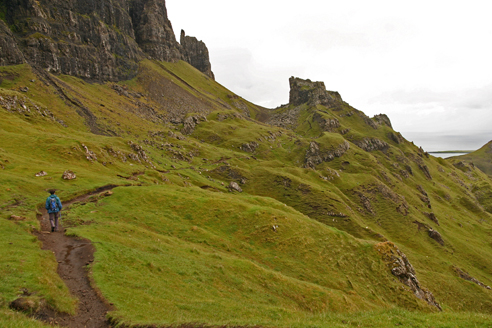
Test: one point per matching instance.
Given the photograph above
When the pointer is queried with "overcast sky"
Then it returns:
(426, 64)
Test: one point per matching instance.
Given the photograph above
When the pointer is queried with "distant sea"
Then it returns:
(446, 154)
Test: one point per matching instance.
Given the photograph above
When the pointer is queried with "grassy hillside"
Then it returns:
(301, 245)
(482, 158)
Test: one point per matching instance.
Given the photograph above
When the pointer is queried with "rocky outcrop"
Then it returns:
(436, 236)
(286, 119)
(465, 275)
(196, 54)
(371, 144)
(326, 124)
(426, 171)
(382, 119)
(312, 93)
(400, 267)
(432, 217)
(250, 147)
(315, 156)
(396, 137)
(189, 124)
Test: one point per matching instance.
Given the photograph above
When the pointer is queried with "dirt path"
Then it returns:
(73, 256)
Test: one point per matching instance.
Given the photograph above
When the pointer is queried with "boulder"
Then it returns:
(233, 186)
(69, 175)
(41, 174)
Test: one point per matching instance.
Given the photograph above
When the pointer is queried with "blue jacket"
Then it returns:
(58, 202)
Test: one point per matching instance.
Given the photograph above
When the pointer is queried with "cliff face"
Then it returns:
(196, 53)
(93, 39)
(153, 30)
(9, 52)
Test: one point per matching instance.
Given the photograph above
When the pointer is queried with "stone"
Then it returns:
(17, 218)
(233, 186)
(41, 174)
(69, 175)
(436, 236)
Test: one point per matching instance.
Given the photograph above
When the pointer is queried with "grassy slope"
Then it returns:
(482, 158)
(212, 256)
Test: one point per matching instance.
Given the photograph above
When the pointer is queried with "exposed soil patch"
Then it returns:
(74, 256)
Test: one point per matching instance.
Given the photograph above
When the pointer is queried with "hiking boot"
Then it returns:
(52, 229)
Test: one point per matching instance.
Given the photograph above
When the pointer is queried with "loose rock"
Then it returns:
(69, 175)
(233, 186)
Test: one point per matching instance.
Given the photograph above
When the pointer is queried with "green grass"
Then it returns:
(175, 246)
(11, 319)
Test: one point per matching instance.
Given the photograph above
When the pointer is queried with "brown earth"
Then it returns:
(74, 256)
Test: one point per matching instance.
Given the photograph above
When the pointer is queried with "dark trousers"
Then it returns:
(54, 220)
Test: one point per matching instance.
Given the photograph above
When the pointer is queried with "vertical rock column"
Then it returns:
(196, 54)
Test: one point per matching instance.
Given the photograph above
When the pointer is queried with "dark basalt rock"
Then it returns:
(312, 93)
(9, 52)
(93, 39)
(84, 38)
(196, 54)
(153, 30)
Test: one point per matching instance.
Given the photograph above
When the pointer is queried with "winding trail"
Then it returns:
(74, 255)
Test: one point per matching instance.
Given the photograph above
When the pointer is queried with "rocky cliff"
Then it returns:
(313, 93)
(92, 39)
(196, 53)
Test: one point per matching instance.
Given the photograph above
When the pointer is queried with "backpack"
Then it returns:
(53, 204)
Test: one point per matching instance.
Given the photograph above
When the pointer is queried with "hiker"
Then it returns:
(54, 206)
